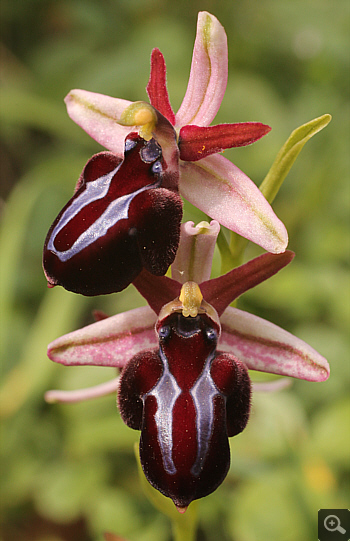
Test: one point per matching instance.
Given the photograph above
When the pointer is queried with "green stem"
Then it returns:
(225, 252)
(231, 254)
(185, 527)
(238, 245)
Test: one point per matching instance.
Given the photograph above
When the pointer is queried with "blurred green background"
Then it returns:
(68, 471)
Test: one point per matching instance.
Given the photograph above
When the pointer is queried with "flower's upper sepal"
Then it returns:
(125, 215)
(195, 254)
(208, 77)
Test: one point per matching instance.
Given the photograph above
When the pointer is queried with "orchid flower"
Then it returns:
(126, 212)
(124, 216)
(184, 359)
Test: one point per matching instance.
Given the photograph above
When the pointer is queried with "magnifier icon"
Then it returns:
(332, 524)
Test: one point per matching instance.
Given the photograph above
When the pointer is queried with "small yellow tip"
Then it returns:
(181, 510)
(191, 299)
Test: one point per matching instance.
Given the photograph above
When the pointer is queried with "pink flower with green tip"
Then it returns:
(184, 380)
(188, 162)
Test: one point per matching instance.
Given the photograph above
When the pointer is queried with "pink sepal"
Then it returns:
(263, 346)
(208, 76)
(79, 395)
(98, 115)
(110, 342)
(226, 194)
(195, 253)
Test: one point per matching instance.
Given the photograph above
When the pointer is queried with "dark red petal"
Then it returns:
(110, 228)
(157, 290)
(184, 448)
(220, 292)
(185, 399)
(138, 377)
(237, 389)
(197, 142)
(158, 228)
(100, 164)
(156, 88)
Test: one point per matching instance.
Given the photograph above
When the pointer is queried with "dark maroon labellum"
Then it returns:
(187, 399)
(121, 218)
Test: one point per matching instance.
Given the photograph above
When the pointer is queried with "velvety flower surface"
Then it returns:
(184, 361)
(208, 180)
(125, 215)
(186, 398)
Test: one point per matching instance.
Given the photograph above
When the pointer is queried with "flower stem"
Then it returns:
(185, 526)
(231, 253)
(238, 245)
(225, 252)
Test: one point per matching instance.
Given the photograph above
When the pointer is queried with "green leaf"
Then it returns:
(278, 172)
(288, 154)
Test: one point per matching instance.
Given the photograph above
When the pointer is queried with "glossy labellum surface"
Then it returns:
(186, 398)
(124, 215)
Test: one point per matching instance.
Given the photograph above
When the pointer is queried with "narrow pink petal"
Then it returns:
(157, 290)
(98, 115)
(157, 89)
(226, 194)
(197, 142)
(109, 342)
(83, 394)
(221, 291)
(195, 253)
(208, 77)
(263, 346)
(271, 386)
